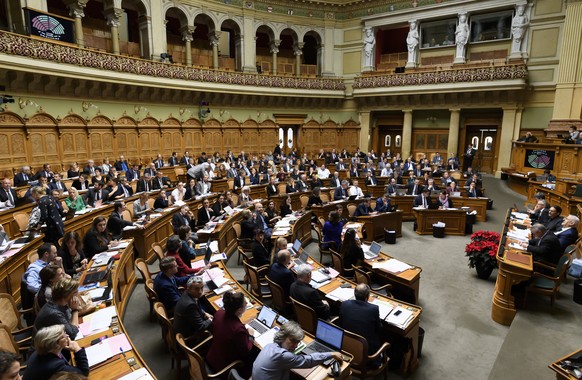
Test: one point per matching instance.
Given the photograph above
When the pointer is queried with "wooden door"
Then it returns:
(389, 137)
(484, 140)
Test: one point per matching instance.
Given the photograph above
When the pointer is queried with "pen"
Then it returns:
(122, 353)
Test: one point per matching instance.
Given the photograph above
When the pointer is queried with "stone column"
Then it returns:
(453, 145)
(407, 134)
(297, 50)
(187, 38)
(76, 10)
(365, 130)
(113, 15)
(274, 45)
(214, 38)
(517, 127)
(508, 125)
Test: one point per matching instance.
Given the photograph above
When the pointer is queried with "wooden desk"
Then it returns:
(12, 269)
(219, 185)
(404, 203)
(477, 204)
(454, 220)
(562, 373)
(376, 224)
(555, 197)
(405, 284)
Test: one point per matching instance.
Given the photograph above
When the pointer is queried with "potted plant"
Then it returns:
(482, 251)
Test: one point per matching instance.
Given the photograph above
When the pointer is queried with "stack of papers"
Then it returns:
(96, 322)
(281, 231)
(384, 307)
(400, 317)
(107, 348)
(520, 215)
(140, 374)
(267, 337)
(439, 224)
(83, 211)
(392, 266)
(518, 234)
(341, 294)
(516, 246)
(317, 276)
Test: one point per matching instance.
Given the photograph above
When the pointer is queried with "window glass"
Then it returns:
(438, 33)
(491, 26)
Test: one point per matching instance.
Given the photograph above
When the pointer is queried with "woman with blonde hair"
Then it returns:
(62, 309)
(74, 201)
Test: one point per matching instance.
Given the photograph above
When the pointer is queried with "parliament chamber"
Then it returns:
(361, 91)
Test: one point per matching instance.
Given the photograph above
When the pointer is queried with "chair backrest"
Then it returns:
(21, 219)
(151, 202)
(562, 265)
(236, 228)
(6, 340)
(279, 299)
(230, 183)
(196, 365)
(150, 292)
(306, 316)
(32, 257)
(321, 220)
(254, 279)
(9, 315)
(282, 188)
(143, 269)
(129, 208)
(304, 200)
(179, 171)
(65, 207)
(337, 261)
(126, 215)
(166, 325)
(158, 250)
(361, 276)
(234, 197)
(357, 346)
(352, 209)
(324, 197)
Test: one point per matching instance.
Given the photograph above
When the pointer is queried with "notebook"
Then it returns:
(373, 251)
(328, 338)
(263, 322)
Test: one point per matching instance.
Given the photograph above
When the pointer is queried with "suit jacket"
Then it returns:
(260, 254)
(87, 170)
(272, 190)
(282, 276)
(115, 225)
(130, 174)
(42, 173)
(542, 216)
(381, 207)
(362, 210)
(189, 318)
(191, 192)
(161, 203)
(156, 182)
(78, 185)
(301, 186)
(555, 224)
(173, 161)
(340, 193)
(53, 186)
(203, 217)
(474, 193)
(180, 220)
(45, 366)
(218, 208)
(247, 229)
(201, 190)
(167, 289)
(335, 182)
(567, 237)
(91, 194)
(159, 163)
(418, 201)
(412, 191)
(239, 182)
(362, 318)
(340, 167)
(20, 181)
(120, 191)
(121, 166)
(4, 197)
(391, 189)
(369, 180)
(305, 294)
(150, 171)
(230, 342)
(141, 185)
(546, 248)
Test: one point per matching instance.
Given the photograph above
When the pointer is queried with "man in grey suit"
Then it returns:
(189, 318)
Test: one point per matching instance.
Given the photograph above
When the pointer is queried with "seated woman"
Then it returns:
(332, 231)
(47, 360)
(173, 246)
(73, 171)
(186, 251)
(140, 206)
(286, 207)
(254, 177)
(191, 190)
(290, 188)
(315, 198)
(315, 181)
(98, 239)
(49, 275)
(452, 188)
(218, 206)
(179, 193)
(231, 340)
(62, 309)
(9, 366)
(162, 201)
(272, 214)
(244, 198)
(97, 177)
(443, 201)
(351, 250)
(74, 201)
(74, 261)
(228, 201)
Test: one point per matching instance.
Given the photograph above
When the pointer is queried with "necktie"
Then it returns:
(9, 194)
(147, 188)
(414, 190)
(25, 177)
(83, 186)
(98, 195)
(424, 202)
(125, 192)
(59, 186)
(161, 184)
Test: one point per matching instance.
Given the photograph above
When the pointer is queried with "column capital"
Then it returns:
(214, 38)
(76, 7)
(274, 45)
(187, 33)
(454, 110)
(297, 48)
(407, 111)
(113, 16)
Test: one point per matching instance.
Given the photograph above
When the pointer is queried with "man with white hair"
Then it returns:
(189, 317)
(197, 172)
(355, 189)
(569, 233)
(303, 292)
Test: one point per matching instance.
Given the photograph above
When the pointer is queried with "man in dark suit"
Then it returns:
(132, 174)
(183, 218)
(540, 212)
(151, 170)
(335, 181)
(81, 183)
(121, 164)
(185, 158)
(160, 182)
(90, 168)
(173, 160)
(453, 165)
(415, 188)
(473, 191)
(272, 188)
(166, 283)
(342, 191)
(8, 197)
(391, 188)
(158, 162)
(116, 223)
(44, 172)
(340, 165)
(468, 157)
(202, 158)
(189, 318)
(280, 272)
(57, 184)
(569, 233)
(544, 245)
(361, 317)
(144, 184)
(423, 200)
(121, 190)
(383, 204)
(23, 178)
(97, 193)
(303, 292)
(301, 184)
(363, 208)
(555, 222)
(205, 213)
(371, 179)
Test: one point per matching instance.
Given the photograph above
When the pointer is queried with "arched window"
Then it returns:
(387, 140)
(290, 137)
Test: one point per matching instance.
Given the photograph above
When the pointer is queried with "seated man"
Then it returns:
(415, 188)
(554, 224)
(303, 292)
(47, 253)
(473, 191)
(342, 191)
(355, 189)
(183, 218)
(280, 272)
(363, 208)
(160, 182)
(544, 245)
(189, 318)
(423, 200)
(361, 317)
(569, 233)
(383, 204)
(116, 223)
(205, 213)
(166, 283)
(261, 254)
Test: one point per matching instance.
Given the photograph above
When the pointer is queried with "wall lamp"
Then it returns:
(203, 113)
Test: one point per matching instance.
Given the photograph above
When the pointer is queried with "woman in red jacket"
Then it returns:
(173, 246)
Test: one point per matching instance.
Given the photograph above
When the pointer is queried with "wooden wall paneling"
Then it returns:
(42, 141)
(251, 137)
(100, 130)
(73, 140)
(231, 141)
(194, 139)
(148, 140)
(330, 137)
(269, 133)
(311, 137)
(126, 140)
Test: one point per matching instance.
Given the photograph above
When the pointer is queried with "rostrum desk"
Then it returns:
(454, 220)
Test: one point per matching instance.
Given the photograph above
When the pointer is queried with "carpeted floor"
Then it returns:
(461, 340)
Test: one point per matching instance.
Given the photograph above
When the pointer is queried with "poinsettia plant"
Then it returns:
(483, 248)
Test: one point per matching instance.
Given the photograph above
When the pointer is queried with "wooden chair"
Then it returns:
(129, 208)
(244, 245)
(282, 188)
(21, 219)
(158, 250)
(338, 264)
(280, 301)
(363, 277)
(32, 257)
(324, 197)
(259, 288)
(144, 270)
(234, 197)
(151, 295)
(305, 315)
(304, 200)
(352, 209)
(169, 337)
(321, 221)
(151, 202)
(11, 317)
(197, 365)
(357, 346)
(126, 215)
(7, 342)
(548, 285)
(324, 246)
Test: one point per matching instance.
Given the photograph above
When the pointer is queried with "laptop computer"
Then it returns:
(352, 197)
(107, 291)
(296, 247)
(393, 208)
(328, 338)
(374, 251)
(99, 275)
(400, 192)
(303, 257)
(264, 321)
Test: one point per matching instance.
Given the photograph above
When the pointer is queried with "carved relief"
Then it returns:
(132, 141)
(126, 121)
(72, 120)
(107, 142)
(81, 142)
(171, 122)
(193, 123)
(42, 119)
(121, 141)
(10, 120)
(149, 121)
(36, 144)
(96, 143)
(68, 145)
(567, 158)
(18, 144)
(100, 121)
(4, 151)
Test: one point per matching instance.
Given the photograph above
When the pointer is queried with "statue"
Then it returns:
(412, 42)
(518, 29)
(461, 38)
(369, 43)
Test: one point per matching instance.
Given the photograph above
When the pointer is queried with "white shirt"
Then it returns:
(323, 173)
(356, 190)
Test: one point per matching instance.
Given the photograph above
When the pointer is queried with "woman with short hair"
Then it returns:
(74, 260)
(9, 366)
(62, 309)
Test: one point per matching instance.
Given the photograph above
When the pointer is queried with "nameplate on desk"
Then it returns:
(516, 257)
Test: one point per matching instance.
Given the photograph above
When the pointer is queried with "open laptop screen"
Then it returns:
(375, 248)
(267, 316)
(296, 245)
(329, 334)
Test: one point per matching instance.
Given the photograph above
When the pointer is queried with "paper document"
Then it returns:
(266, 337)
(281, 232)
(129, 228)
(392, 266)
(400, 317)
(517, 246)
(384, 307)
(341, 294)
(218, 257)
(107, 348)
(317, 276)
(140, 374)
